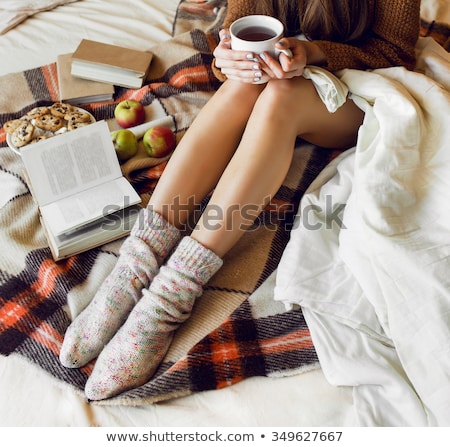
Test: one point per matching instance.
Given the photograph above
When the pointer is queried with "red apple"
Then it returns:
(129, 113)
(159, 141)
(125, 144)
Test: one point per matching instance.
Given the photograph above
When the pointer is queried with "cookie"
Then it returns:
(49, 122)
(77, 117)
(44, 122)
(23, 134)
(38, 138)
(60, 109)
(37, 112)
(11, 125)
(77, 125)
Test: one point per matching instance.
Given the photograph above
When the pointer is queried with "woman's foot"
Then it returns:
(141, 254)
(132, 356)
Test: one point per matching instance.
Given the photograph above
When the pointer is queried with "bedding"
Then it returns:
(13, 12)
(243, 359)
(375, 293)
(252, 339)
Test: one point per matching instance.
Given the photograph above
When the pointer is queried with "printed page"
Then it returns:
(71, 162)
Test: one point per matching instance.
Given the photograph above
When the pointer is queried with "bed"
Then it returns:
(244, 358)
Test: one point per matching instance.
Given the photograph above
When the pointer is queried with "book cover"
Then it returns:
(76, 91)
(111, 63)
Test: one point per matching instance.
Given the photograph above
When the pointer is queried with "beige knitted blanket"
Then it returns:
(236, 330)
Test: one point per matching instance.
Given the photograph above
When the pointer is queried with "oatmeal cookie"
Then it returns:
(77, 117)
(11, 125)
(37, 112)
(77, 125)
(38, 138)
(49, 122)
(60, 109)
(23, 134)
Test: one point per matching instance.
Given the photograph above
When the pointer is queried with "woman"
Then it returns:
(130, 322)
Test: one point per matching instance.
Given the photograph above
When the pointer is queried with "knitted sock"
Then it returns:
(141, 254)
(132, 356)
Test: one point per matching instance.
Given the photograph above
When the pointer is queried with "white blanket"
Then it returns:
(369, 259)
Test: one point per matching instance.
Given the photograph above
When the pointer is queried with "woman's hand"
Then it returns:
(285, 67)
(237, 65)
(255, 68)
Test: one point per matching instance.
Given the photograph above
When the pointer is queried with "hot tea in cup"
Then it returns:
(257, 34)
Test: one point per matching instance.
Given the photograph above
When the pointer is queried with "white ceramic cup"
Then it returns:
(257, 34)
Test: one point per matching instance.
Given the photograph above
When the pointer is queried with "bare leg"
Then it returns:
(245, 145)
(203, 153)
(283, 110)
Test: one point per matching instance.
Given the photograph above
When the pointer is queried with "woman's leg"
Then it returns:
(192, 173)
(203, 153)
(251, 177)
(132, 356)
(150, 241)
(283, 111)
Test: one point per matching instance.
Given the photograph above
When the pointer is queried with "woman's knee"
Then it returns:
(288, 95)
(240, 92)
(279, 90)
(297, 102)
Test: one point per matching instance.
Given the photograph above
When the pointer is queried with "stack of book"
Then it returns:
(103, 62)
(77, 91)
(91, 72)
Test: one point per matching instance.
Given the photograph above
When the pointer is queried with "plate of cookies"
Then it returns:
(44, 122)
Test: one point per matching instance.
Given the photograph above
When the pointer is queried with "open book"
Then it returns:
(84, 201)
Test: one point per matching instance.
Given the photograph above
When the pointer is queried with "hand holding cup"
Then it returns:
(258, 34)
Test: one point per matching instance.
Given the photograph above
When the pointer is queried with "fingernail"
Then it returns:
(263, 56)
(224, 36)
(256, 67)
(258, 74)
(250, 56)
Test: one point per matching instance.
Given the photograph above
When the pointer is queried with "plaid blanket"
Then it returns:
(236, 330)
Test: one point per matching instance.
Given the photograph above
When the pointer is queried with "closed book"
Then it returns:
(117, 65)
(76, 91)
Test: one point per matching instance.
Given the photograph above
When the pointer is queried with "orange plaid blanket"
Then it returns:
(236, 330)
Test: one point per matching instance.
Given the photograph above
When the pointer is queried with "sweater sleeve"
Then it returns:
(390, 42)
(235, 10)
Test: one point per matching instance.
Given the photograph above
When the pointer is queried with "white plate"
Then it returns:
(44, 132)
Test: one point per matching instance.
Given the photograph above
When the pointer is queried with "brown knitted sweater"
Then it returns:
(390, 41)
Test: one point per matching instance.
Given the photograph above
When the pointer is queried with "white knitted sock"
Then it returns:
(132, 356)
(141, 254)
